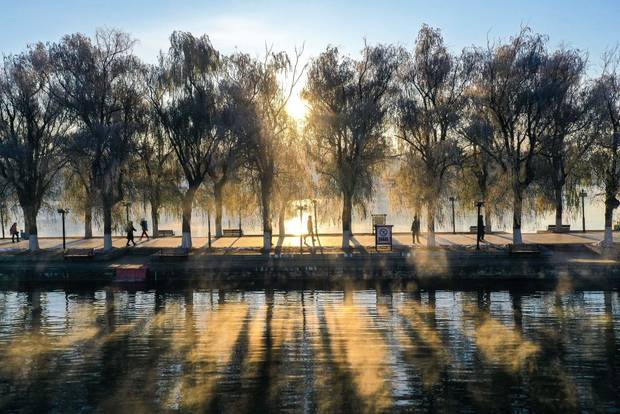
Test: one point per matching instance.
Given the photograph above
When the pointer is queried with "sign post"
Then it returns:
(383, 237)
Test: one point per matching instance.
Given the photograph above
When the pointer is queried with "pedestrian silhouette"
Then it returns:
(310, 231)
(130, 230)
(145, 228)
(415, 229)
(14, 233)
(480, 228)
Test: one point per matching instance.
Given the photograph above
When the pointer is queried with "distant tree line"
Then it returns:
(515, 124)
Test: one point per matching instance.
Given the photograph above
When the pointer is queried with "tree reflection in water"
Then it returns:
(353, 349)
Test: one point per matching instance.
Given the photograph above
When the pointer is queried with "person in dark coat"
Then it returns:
(310, 231)
(480, 230)
(415, 229)
(130, 230)
(145, 228)
(14, 233)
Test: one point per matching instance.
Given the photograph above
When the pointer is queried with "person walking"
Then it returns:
(130, 230)
(480, 228)
(14, 233)
(310, 231)
(145, 228)
(415, 229)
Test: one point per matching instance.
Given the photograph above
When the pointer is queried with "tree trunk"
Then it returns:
(517, 213)
(107, 226)
(430, 227)
(281, 226)
(88, 223)
(559, 206)
(30, 221)
(487, 220)
(217, 192)
(155, 219)
(347, 213)
(266, 186)
(188, 201)
(611, 203)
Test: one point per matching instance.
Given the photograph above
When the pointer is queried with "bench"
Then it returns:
(523, 250)
(474, 229)
(232, 232)
(564, 228)
(165, 233)
(378, 219)
(79, 254)
(173, 253)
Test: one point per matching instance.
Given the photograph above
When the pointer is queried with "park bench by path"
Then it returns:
(79, 254)
(524, 250)
(564, 228)
(165, 233)
(232, 232)
(175, 253)
(474, 229)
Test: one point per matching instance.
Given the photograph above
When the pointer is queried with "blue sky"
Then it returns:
(247, 25)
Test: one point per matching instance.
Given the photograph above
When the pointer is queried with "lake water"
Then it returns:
(309, 350)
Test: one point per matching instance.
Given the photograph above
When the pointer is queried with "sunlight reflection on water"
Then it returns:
(309, 350)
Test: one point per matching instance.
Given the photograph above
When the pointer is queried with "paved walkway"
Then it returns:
(327, 241)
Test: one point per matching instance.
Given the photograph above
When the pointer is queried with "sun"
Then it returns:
(297, 107)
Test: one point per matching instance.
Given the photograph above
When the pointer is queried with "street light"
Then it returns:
(452, 199)
(479, 205)
(583, 196)
(62, 212)
(127, 204)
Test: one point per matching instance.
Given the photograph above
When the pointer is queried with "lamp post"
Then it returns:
(583, 196)
(62, 212)
(127, 204)
(209, 227)
(479, 205)
(453, 223)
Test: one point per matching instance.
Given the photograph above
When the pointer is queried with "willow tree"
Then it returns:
(606, 150)
(184, 94)
(158, 178)
(431, 99)
(346, 123)
(514, 89)
(262, 90)
(98, 81)
(32, 127)
(568, 138)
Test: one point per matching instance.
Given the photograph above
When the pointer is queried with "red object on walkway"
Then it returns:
(131, 273)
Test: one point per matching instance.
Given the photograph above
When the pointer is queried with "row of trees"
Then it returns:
(510, 123)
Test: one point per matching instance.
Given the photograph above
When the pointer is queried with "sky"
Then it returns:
(591, 26)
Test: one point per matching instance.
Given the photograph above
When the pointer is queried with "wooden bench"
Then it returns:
(474, 229)
(232, 232)
(564, 228)
(173, 253)
(523, 250)
(79, 254)
(165, 233)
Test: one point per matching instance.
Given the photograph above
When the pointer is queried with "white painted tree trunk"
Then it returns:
(33, 242)
(346, 239)
(608, 239)
(517, 237)
(266, 241)
(186, 240)
(107, 242)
